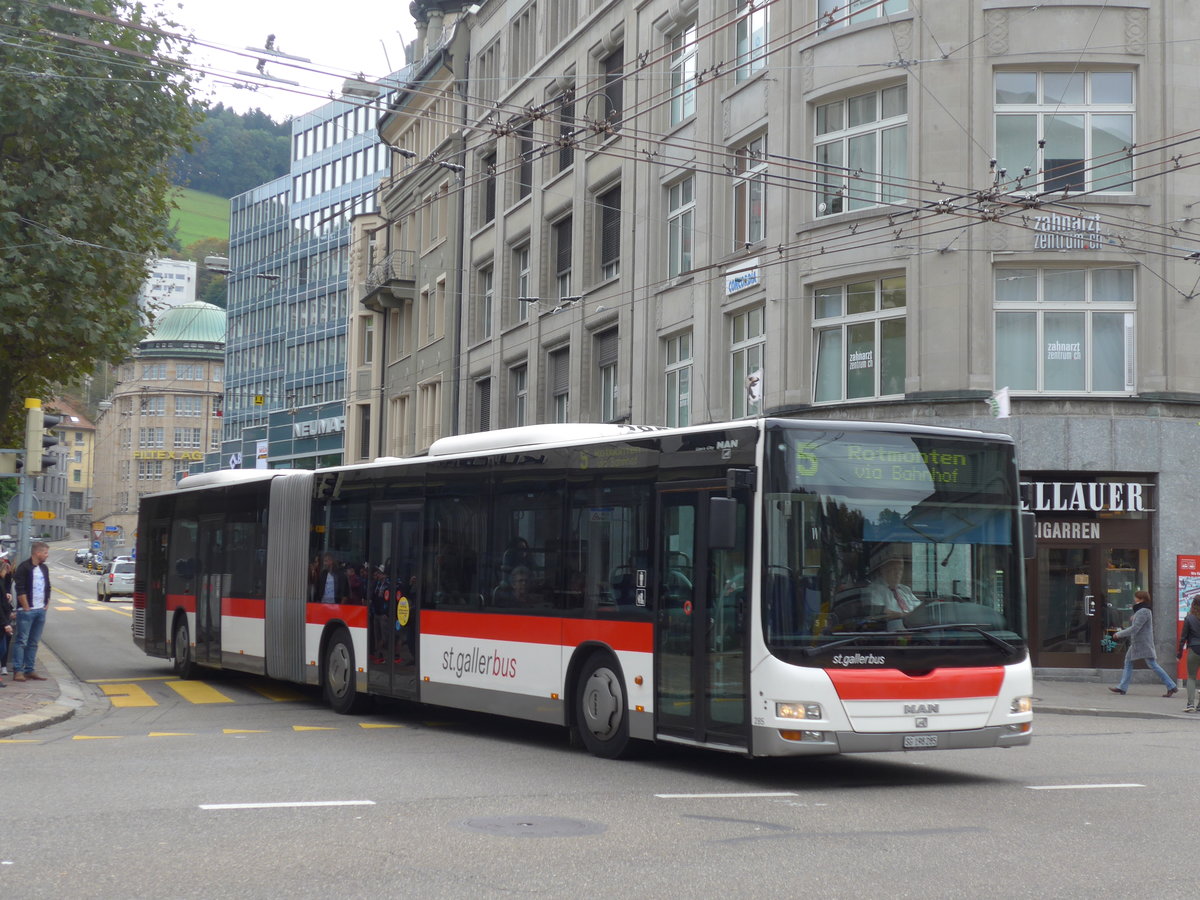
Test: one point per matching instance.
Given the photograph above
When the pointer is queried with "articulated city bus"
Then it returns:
(769, 587)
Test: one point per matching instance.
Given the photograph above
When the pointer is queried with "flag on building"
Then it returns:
(999, 404)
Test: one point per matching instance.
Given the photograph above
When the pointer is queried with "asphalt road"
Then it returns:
(240, 787)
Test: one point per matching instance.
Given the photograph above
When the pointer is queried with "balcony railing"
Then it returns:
(392, 280)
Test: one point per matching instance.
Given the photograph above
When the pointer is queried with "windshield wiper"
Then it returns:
(1009, 649)
(813, 651)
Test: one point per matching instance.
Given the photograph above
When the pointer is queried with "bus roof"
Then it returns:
(533, 435)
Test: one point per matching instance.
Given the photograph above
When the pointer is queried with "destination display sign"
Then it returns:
(827, 462)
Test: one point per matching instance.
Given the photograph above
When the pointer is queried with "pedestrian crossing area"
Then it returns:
(139, 692)
(66, 603)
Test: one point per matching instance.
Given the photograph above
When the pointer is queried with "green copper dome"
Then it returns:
(190, 329)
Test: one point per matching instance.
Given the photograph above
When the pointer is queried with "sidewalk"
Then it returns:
(26, 706)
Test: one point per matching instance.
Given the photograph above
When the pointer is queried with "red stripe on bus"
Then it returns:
(892, 684)
(185, 601)
(321, 613)
(244, 607)
(634, 636)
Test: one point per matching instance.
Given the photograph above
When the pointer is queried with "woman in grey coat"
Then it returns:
(1141, 645)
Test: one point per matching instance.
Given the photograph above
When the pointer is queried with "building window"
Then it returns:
(522, 46)
(678, 410)
(1065, 330)
(524, 147)
(609, 211)
(487, 166)
(483, 405)
(559, 371)
(150, 438)
(565, 157)
(154, 372)
(859, 329)
(518, 382)
(562, 257)
(187, 439)
(747, 340)
(481, 305)
(681, 226)
(429, 412)
(683, 75)
(521, 281)
(154, 406)
(401, 428)
(367, 339)
(606, 348)
(364, 431)
(150, 469)
(840, 13)
(613, 67)
(751, 35)
(750, 192)
(189, 406)
(1072, 130)
(862, 150)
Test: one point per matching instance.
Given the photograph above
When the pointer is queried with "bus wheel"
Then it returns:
(601, 717)
(185, 663)
(339, 673)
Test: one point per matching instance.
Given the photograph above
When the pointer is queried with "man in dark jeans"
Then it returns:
(31, 584)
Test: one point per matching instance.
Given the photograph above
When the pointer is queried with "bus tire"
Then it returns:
(183, 659)
(601, 713)
(337, 673)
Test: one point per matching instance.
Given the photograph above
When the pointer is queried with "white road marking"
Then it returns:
(1077, 787)
(726, 796)
(287, 805)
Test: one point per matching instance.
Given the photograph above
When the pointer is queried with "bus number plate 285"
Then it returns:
(920, 741)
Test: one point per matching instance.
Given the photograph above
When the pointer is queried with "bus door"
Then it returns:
(392, 599)
(211, 581)
(702, 620)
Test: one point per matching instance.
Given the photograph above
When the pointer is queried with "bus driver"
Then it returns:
(885, 590)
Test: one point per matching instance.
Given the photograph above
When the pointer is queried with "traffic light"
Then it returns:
(37, 441)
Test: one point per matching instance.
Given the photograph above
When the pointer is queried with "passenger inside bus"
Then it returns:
(516, 591)
(330, 584)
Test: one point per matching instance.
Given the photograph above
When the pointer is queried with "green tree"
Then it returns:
(92, 105)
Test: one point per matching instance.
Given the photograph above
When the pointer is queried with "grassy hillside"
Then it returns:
(200, 216)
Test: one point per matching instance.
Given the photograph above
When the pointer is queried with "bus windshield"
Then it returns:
(901, 541)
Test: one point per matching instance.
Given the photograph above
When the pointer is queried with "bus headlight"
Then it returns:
(798, 710)
(1022, 705)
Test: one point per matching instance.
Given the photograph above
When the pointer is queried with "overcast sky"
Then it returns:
(343, 38)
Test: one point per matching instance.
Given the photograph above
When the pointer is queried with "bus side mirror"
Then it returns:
(1028, 541)
(722, 523)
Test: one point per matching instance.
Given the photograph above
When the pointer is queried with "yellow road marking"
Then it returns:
(198, 692)
(312, 728)
(19, 741)
(171, 734)
(276, 692)
(96, 737)
(128, 695)
(125, 680)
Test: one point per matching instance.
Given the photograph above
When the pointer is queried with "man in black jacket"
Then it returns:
(31, 585)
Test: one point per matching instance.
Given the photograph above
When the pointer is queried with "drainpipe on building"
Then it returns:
(461, 51)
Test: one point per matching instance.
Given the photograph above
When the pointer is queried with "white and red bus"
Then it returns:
(770, 587)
